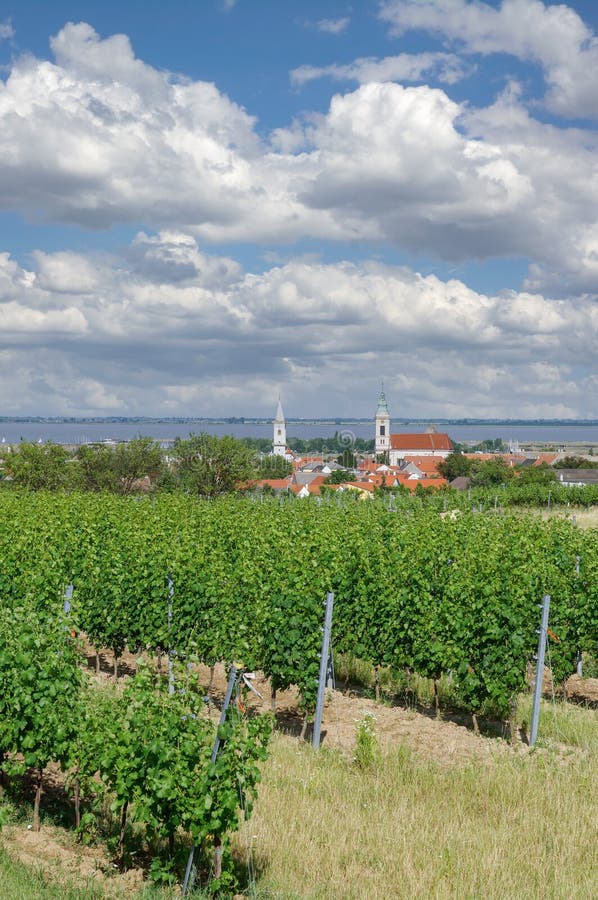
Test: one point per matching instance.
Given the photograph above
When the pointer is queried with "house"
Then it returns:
(577, 477)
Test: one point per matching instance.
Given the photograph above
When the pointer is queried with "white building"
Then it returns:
(398, 446)
(279, 438)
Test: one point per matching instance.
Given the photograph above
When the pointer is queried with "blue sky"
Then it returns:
(203, 204)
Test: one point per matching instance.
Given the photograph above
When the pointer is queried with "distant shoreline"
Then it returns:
(290, 420)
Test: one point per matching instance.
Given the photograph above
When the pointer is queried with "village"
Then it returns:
(407, 460)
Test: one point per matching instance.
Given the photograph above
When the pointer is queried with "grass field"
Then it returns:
(518, 827)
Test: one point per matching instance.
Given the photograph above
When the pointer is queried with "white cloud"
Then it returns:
(6, 31)
(554, 36)
(101, 138)
(160, 331)
(445, 67)
(333, 26)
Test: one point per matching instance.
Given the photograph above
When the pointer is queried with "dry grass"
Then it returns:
(583, 518)
(562, 725)
(513, 826)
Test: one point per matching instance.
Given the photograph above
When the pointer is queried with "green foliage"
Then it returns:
(208, 466)
(39, 467)
(40, 691)
(273, 467)
(412, 589)
(491, 472)
(336, 444)
(366, 742)
(542, 474)
(156, 760)
(116, 469)
(339, 476)
(347, 459)
(455, 465)
(576, 462)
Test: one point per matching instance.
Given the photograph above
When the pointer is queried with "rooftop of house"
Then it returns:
(417, 442)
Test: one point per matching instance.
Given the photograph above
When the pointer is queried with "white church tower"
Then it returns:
(279, 442)
(382, 422)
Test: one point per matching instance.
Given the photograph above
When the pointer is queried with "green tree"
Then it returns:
(347, 459)
(576, 462)
(455, 465)
(273, 467)
(339, 476)
(491, 473)
(208, 465)
(40, 467)
(96, 468)
(117, 468)
(136, 459)
(542, 474)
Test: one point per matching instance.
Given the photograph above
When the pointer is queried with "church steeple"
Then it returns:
(382, 425)
(279, 442)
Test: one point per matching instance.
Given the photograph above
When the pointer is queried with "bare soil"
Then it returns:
(56, 854)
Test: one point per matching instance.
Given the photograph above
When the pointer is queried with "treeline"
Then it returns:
(489, 472)
(201, 464)
(335, 445)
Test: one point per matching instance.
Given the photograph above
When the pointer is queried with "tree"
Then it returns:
(347, 459)
(208, 465)
(40, 467)
(96, 468)
(542, 474)
(273, 467)
(117, 468)
(136, 459)
(454, 466)
(491, 473)
(576, 462)
(339, 476)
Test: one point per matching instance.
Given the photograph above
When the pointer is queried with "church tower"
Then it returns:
(279, 442)
(382, 422)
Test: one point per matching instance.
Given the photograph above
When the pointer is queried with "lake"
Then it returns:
(84, 432)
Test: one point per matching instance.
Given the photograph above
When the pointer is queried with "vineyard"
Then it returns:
(236, 580)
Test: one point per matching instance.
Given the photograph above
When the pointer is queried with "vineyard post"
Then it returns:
(543, 633)
(579, 667)
(324, 659)
(190, 871)
(169, 615)
(68, 596)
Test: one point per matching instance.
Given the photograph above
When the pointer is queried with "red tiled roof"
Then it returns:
(276, 483)
(425, 482)
(417, 442)
(427, 464)
(548, 458)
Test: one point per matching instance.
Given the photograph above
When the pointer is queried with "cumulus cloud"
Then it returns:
(554, 36)
(6, 31)
(445, 67)
(169, 329)
(333, 26)
(99, 138)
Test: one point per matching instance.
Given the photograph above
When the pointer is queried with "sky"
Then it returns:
(204, 205)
